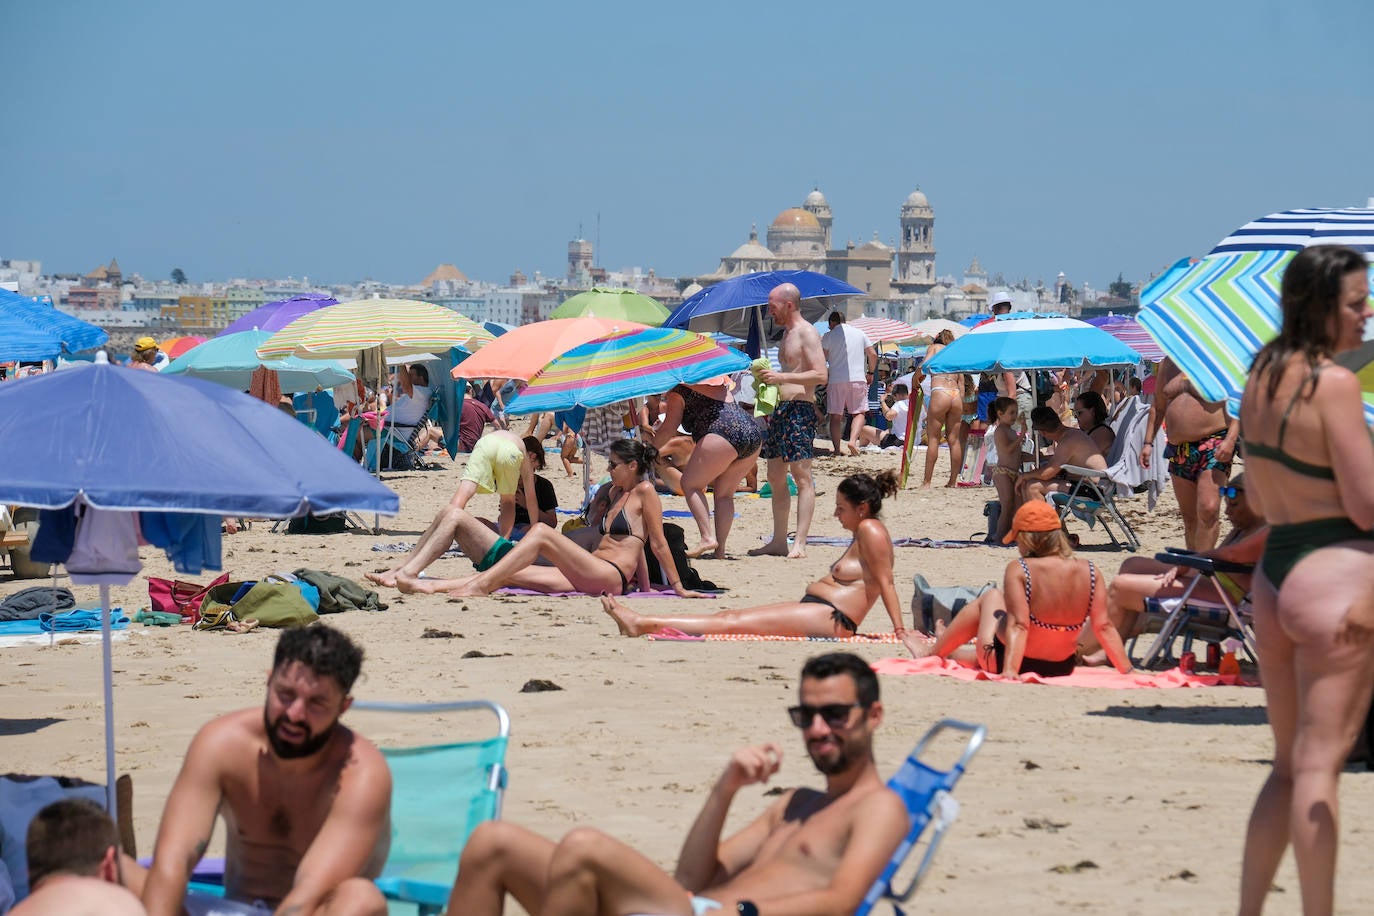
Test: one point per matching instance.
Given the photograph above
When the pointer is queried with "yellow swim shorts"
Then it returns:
(494, 465)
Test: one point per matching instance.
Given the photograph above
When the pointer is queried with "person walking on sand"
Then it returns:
(791, 437)
(809, 851)
(851, 360)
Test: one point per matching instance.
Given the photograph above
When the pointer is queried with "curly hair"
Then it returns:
(869, 489)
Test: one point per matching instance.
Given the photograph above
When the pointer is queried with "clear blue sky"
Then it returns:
(343, 139)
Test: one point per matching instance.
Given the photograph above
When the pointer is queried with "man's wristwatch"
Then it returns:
(746, 908)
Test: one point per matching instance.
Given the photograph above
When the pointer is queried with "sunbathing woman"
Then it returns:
(834, 606)
(727, 446)
(635, 518)
(1032, 624)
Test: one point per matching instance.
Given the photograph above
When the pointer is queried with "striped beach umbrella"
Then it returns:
(1022, 340)
(885, 330)
(400, 327)
(625, 365)
(1212, 317)
(39, 313)
(521, 352)
(1132, 334)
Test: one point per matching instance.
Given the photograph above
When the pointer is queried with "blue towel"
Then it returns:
(78, 619)
(20, 627)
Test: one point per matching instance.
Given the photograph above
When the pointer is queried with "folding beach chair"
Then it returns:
(1190, 618)
(440, 793)
(927, 793)
(1093, 497)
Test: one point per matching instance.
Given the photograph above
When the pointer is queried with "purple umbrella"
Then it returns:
(276, 315)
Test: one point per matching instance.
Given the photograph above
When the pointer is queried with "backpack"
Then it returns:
(677, 543)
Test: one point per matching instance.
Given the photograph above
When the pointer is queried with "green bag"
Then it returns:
(271, 604)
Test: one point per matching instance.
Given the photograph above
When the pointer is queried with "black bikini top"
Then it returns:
(620, 525)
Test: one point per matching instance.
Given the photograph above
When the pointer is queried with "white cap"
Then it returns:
(998, 298)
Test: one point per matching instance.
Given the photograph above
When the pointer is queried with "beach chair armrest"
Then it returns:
(1078, 471)
(1205, 565)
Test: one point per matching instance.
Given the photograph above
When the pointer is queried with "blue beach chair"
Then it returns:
(1189, 617)
(440, 793)
(927, 792)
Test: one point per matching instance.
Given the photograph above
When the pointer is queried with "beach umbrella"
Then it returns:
(1212, 317)
(523, 351)
(931, 327)
(1020, 341)
(230, 359)
(623, 365)
(1133, 334)
(885, 330)
(497, 328)
(620, 304)
(737, 306)
(128, 441)
(22, 341)
(973, 321)
(74, 333)
(276, 315)
(177, 346)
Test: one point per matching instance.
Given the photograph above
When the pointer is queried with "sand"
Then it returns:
(1083, 800)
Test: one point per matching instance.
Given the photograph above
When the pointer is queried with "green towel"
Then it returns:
(765, 396)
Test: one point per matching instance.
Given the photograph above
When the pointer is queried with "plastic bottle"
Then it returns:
(1229, 665)
(1187, 664)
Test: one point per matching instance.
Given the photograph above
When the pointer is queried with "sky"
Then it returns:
(345, 140)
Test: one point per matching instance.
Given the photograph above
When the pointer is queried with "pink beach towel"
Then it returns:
(1106, 678)
(671, 634)
(528, 591)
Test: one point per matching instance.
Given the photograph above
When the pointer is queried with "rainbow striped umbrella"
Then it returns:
(1132, 334)
(1212, 317)
(626, 364)
(400, 327)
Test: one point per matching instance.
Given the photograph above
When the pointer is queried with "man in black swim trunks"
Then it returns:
(792, 426)
(1201, 444)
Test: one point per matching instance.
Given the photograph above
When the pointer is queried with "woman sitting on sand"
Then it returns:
(1032, 624)
(833, 606)
(635, 517)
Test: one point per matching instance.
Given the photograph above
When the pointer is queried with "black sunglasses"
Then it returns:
(835, 715)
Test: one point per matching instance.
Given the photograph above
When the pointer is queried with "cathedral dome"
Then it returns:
(815, 199)
(795, 218)
(916, 202)
(752, 249)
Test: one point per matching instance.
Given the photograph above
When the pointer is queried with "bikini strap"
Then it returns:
(1092, 584)
(1026, 570)
(1297, 392)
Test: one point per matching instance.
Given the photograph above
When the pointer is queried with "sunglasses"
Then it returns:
(835, 715)
(1231, 492)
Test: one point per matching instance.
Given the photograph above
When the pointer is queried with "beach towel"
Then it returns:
(78, 619)
(672, 634)
(1104, 678)
(831, 540)
(652, 593)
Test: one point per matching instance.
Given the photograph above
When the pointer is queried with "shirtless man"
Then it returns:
(305, 800)
(72, 848)
(1071, 446)
(1201, 443)
(808, 852)
(792, 426)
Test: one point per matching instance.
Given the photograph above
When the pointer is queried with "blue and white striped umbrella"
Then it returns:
(1213, 315)
(21, 341)
(1022, 340)
(74, 333)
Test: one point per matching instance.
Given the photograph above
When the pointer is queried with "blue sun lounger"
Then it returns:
(927, 792)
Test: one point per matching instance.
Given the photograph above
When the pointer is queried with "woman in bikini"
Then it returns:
(634, 518)
(1310, 470)
(1091, 413)
(727, 446)
(1032, 624)
(834, 606)
(944, 416)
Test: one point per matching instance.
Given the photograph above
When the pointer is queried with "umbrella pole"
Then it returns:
(108, 663)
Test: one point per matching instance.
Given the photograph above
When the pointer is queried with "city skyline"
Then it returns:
(328, 141)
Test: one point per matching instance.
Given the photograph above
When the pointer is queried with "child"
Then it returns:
(1008, 444)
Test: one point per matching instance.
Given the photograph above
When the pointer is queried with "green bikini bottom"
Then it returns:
(1288, 544)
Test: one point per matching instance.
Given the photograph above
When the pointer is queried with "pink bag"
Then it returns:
(170, 596)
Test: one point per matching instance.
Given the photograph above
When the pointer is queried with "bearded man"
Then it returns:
(306, 801)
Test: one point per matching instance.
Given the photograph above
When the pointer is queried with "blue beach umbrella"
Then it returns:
(737, 306)
(20, 340)
(230, 359)
(74, 333)
(1021, 341)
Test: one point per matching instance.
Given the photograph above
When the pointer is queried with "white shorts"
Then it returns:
(846, 397)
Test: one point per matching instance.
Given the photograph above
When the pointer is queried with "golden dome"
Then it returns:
(796, 218)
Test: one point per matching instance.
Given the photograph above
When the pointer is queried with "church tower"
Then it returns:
(916, 250)
(816, 205)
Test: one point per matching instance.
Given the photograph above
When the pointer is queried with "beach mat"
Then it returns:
(667, 593)
(1103, 678)
(830, 540)
(670, 634)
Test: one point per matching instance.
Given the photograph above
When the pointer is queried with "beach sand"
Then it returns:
(1090, 801)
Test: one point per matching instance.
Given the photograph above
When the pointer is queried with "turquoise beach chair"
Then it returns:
(440, 793)
(927, 792)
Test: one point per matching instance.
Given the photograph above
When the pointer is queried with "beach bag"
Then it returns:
(175, 596)
(271, 604)
(317, 524)
(677, 543)
(930, 603)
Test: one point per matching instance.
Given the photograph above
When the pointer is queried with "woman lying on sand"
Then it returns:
(833, 606)
(635, 517)
(1032, 624)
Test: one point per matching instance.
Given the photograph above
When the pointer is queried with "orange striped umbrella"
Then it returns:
(400, 327)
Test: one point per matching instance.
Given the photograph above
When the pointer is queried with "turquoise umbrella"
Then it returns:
(231, 358)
